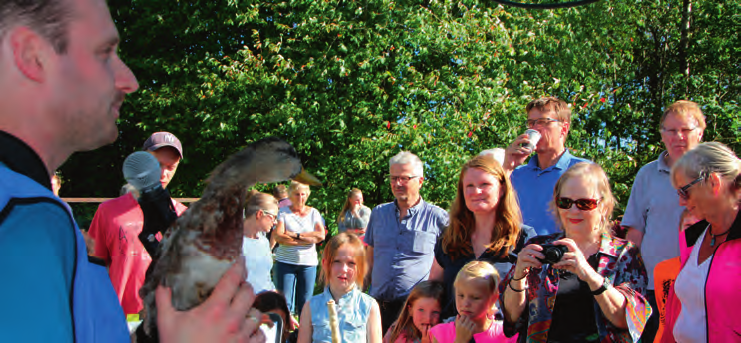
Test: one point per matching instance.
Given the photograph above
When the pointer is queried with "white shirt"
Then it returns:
(302, 255)
(259, 261)
(691, 325)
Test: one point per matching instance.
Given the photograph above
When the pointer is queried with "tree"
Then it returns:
(351, 83)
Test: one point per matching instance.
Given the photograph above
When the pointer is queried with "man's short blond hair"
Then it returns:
(685, 109)
(559, 107)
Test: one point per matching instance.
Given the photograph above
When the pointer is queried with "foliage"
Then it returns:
(351, 83)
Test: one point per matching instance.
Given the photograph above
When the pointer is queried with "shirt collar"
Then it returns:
(412, 209)
(562, 163)
(663, 167)
(20, 158)
(606, 245)
(343, 299)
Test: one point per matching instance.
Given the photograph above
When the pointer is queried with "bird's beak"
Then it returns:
(306, 178)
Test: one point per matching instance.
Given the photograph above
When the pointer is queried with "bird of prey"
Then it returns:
(207, 238)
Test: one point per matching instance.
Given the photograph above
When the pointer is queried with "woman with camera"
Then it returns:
(582, 284)
(708, 181)
(485, 225)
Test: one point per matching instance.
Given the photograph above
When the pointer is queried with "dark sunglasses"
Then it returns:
(582, 204)
(684, 191)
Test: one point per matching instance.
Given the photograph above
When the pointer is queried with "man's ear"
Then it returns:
(565, 128)
(29, 50)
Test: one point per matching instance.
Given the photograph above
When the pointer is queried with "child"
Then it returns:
(272, 301)
(343, 271)
(475, 296)
(666, 271)
(421, 311)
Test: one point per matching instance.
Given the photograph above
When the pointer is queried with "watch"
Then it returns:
(602, 288)
(298, 235)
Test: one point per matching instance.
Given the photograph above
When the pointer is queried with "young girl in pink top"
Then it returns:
(421, 312)
(475, 296)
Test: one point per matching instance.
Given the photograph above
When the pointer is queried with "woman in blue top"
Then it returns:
(358, 315)
(354, 216)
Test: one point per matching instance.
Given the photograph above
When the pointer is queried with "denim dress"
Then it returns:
(353, 310)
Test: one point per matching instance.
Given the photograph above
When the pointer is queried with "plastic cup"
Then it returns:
(533, 136)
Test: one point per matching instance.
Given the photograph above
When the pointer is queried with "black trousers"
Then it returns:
(390, 312)
(649, 332)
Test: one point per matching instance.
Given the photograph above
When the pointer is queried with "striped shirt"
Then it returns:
(302, 255)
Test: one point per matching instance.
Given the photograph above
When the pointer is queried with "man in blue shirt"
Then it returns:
(401, 237)
(653, 211)
(61, 87)
(534, 181)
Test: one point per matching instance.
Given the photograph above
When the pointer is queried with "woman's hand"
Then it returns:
(526, 259)
(575, 262)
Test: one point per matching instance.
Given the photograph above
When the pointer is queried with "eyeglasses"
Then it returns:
(272, 215)
(683, 191)
(403, 179)
(675, 132)
(582, 204)
(541, 122)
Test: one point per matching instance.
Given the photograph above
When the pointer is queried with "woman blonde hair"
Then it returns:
(346, 207)
(706, 158)
(257, 201)
(295, 185)
(456, 239)
(594, 174)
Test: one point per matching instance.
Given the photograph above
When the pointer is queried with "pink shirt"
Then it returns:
(445, 333)
(115, 229)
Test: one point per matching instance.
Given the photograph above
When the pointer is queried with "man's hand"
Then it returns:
(515, 155)
(226, 316)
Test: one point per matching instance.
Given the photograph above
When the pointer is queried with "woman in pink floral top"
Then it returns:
(595, 291)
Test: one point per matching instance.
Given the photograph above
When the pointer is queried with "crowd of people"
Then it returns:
(526, 253)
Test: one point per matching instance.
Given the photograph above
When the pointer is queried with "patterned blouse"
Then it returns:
(619, 262)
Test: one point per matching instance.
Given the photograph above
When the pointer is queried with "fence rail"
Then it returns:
(100, 200)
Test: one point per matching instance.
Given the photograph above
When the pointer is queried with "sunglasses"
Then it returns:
(684, 191)
(582, 204)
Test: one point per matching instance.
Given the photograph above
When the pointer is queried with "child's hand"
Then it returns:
(464, 329)
(425, 333)
(294, 324)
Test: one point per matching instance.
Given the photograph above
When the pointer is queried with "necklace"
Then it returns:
(712, 239)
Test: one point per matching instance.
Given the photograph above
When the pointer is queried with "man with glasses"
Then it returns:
(534, 181)
(118, 222)
(401, 237)
(653, 211)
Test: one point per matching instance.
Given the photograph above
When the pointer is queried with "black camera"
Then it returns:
(553, 253)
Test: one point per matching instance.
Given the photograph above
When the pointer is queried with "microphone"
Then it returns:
(142, 170)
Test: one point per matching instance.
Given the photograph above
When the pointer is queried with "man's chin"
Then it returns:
(101, 140)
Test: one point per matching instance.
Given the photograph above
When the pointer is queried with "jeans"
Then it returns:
(297, 284)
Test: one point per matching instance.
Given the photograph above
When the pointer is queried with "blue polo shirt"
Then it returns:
(534, 188)
(403, 248)
(653, 209)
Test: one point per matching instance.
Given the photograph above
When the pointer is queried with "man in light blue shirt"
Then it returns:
(534, 181)
(653, 211)
(401, 238)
